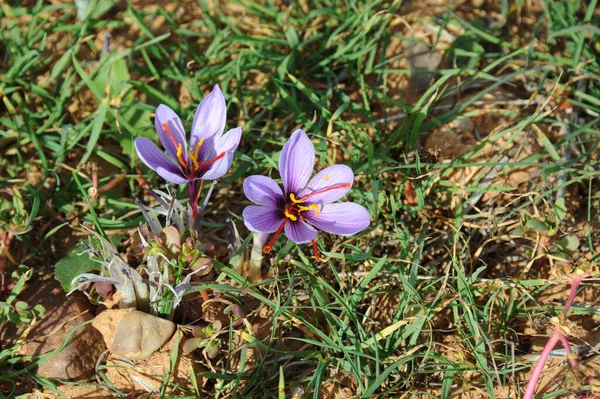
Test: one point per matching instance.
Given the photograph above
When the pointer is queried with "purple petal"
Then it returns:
(226, 143)
(263, 190)
(219, 168)
(262, 219)
(165, 115)
(156, 160)
(329, 185)
(229, 141)
(210, 116)
(296, 162)
(344, 218)
(300, 232)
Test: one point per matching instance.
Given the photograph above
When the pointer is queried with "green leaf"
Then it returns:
(72, 265)
(119, 76)
(139, 118)
(547, 143)
(95, 9)
(569, 243)
(536, 225)
(62, 63)
(466, 51)
(21, 306)
(517, 231)
(100, 8)
(82, 8)
(96, 129)
(292, 37)
(560, 210)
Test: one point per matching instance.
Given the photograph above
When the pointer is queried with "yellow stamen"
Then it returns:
(287, 214)
(194, 161)
(194, 154)
(182, 161)
(308, 208)
(294, 200)
(197, 150)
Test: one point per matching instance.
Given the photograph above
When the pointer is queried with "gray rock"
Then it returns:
(422, 59)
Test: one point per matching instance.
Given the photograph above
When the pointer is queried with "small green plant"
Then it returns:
(548, 226)
(18, 312)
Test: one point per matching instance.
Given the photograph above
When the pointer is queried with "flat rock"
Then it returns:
(77, 360)
(149, 376)
(139, 335)
(107, 322)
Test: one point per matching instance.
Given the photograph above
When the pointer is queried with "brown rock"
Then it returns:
(139, 335)
(77, 360)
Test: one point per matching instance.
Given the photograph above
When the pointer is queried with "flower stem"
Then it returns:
(565, 343)
(539, 366)
(194, 203)
(557, 335)
(194, 199)
(575, 282)
(208, 194)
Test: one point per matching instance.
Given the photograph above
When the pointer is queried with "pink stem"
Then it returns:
(565, 343)
(556, 336)
(575, 282)
(539, 366)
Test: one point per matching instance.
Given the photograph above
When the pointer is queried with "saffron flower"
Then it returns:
(210, 153)
(301, 208)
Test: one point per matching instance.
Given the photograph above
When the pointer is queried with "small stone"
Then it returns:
(139, 335)
(77, 360)
(421, 58)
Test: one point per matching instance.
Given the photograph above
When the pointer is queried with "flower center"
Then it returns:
(294, 210)
(192, 155)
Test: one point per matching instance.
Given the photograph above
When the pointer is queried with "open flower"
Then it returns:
(210, 153)
(302, 208)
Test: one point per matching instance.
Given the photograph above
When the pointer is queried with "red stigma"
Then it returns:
(316, 250)
(166, 128)
(337, 186)
(211, 161)
(271, 242)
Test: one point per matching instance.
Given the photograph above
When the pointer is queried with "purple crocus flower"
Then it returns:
(210, 153)
(302, 208)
